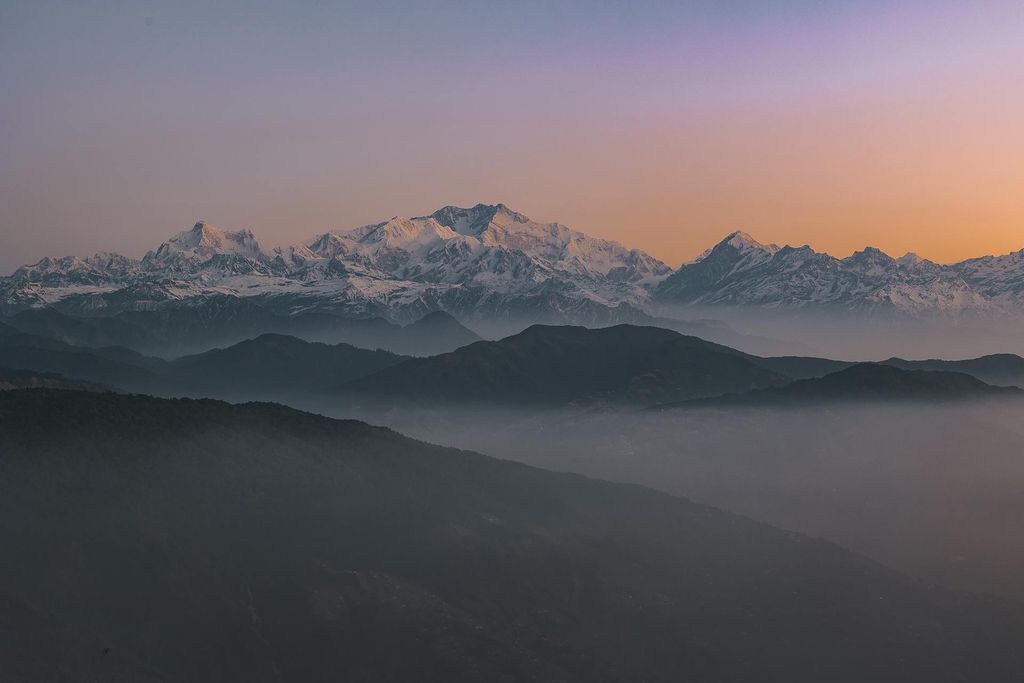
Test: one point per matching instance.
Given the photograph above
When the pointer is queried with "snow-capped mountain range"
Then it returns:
(741, 271)
(490, 261)
(484, 261)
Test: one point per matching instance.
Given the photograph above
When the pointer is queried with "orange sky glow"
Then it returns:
(894, 125)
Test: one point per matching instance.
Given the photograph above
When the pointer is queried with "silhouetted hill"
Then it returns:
(275, 365)
(1001, 368)
(51, 323)
(223, 321)
(27, 379)
(434, 333)
(119, 354)
(801, 367)
(199, 541)
(111, 366)
(866, 382)
(556, 365)
(270, 366)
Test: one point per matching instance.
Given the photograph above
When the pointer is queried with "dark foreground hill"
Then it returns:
(155, 540)
(865, 382)
(555, 365)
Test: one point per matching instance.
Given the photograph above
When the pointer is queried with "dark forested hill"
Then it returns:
(998, 368)
(26, 379)
(274, 365)
(157, 540)
(223, 320)
(559, 364)
(865, 382)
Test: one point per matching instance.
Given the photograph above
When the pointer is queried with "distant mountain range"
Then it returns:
(223, 321)
(863, 382)
(739, 271)
(560, 365)
(273, 365)
(269, 366)
(478, 262)
(634, 365)
(554, 366)
(489, 262)
(157, 540)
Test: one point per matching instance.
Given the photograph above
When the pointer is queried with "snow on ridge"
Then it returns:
(489, 257)
(740, 271)
(204, 241)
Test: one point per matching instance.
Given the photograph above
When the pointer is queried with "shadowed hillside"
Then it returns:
(198, 541)
(556, 365)
(27, 379)
(223, 321)
(274, 365)
(865, 382)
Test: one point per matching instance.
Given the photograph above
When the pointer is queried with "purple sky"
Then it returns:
(661, 125)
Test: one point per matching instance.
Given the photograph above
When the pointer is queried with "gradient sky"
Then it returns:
(663, 125)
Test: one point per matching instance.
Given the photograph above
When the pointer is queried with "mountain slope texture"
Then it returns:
(489, 261)
(199, 541)
(559, 365)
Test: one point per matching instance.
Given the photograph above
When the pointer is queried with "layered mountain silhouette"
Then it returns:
(222, 321)
(865, 382)
(558, 365)
(274, 365)
(543, 365)
(199, 541)
(1000, 368)
(110, 366)
(28, 379)
(269, 366)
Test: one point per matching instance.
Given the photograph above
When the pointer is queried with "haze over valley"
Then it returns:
(575, 342)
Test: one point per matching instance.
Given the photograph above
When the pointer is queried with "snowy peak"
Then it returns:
(204, 241)
(743, 242)
(740, 271)
(870, 257)
(408, 233)
(555, 245)
(475, 221)
(204, 246)
(470, 222)
(99, 268)
(208, 249)
(491, 260)
(738, 244)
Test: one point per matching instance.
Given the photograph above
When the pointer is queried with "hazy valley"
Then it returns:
(143, 526)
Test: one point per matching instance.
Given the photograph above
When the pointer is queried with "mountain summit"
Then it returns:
(194, 248)
(476, 262)
(739, 271)
(491, 262)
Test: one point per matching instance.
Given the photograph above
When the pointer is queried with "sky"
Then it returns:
(663, 125)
